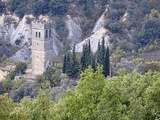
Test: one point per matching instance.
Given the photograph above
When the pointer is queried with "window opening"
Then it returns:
(50, 33)
(39, 34)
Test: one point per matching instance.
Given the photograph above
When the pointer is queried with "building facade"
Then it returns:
(42, 47)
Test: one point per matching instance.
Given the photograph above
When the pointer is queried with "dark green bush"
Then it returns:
(21, 67)
(2, 6)
(115, 27)
(58, 7)
(40, 7)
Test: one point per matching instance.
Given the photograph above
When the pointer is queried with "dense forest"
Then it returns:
(129, 96)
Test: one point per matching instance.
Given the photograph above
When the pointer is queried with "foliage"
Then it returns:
(6, 107)
(154, 14)
(86, 96)
(61, 28)
(138, 60)
(129, 96)
(115, 27)
(40, 7)
(86, 59)
(103, 57)
(145, 6)
(117, 55)
(21, 67)
(50, 78)
(72, 65)
(152, 65)
(25, 89)
(2, 6)
(18, 6)
(58, 7)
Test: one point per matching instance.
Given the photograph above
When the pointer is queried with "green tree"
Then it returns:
(106, 65)
(6, 107)
(72, 65)
(86, 97)
(58, 7)
(21, 67)
(87, 56)
(40, 7)
(64, 64)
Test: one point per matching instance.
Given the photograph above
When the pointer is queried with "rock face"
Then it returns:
(3, 75)
(22, 55)
(18, 33)
(101, 21)
(75, 32)
(94, 39)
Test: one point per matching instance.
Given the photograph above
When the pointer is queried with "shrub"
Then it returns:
(114, 15)
(152, 65)
(17, 42)
(115, 27)
(117, 55)
(21, 67)
(58, 7)
(138, 60)
(2, 6)
(40, 7)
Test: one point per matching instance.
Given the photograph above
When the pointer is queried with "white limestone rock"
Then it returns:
(101, 21)
(75, 32)
(94, 39)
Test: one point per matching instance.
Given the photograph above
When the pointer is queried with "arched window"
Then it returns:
(36, 34)
(50, 33)
(39, 34)
(46, 33)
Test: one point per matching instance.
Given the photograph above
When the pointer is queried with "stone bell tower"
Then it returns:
(42, 47)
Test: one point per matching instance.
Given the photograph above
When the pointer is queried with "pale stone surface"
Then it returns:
(101, 21)
(75, 32)
(2, 75)
(94, 39)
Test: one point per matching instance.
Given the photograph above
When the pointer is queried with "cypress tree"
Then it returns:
(93, 62)
(106, 65)
(103, 57)
(64, 64)
(83, 59)
(86, 58)
(98, 52)
(102, 52)
(68, 62)
(72, 65)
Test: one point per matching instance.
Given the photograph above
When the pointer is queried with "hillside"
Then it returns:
(135, 23)
(106, 65)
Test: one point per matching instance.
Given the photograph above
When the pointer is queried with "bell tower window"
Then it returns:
(50, 33)
(36, 34)
(46, 33)
(39, 34)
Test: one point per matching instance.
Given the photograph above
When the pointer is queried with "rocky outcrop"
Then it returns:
(75, 32)
(22, 55)
(101, 21)
(94, 39)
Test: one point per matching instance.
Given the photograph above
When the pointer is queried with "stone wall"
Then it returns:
(42, 47)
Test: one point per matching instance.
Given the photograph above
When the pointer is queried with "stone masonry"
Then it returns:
(42, 47)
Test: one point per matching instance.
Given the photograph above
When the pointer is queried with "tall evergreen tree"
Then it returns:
(98, 52)
(72, 67)
(103, 57)
(64, 64)
(102, 52)
(86, 58)
(106, 65)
